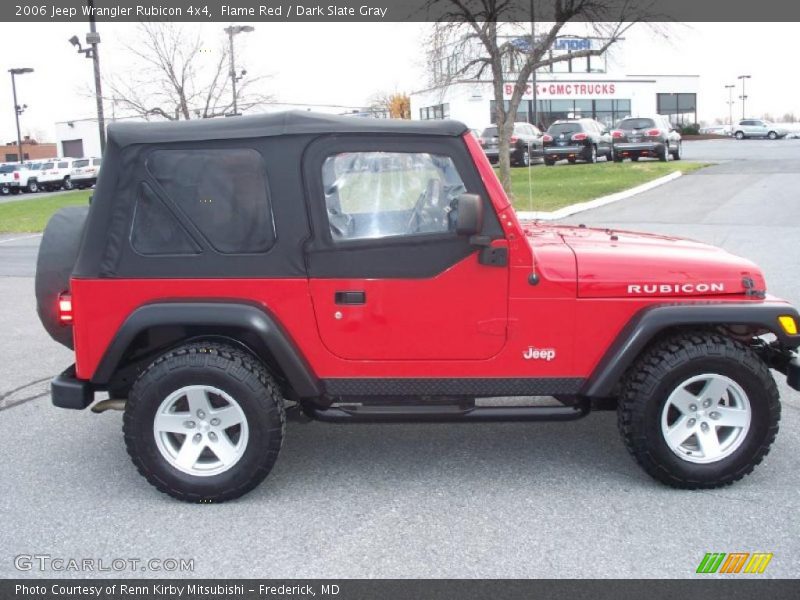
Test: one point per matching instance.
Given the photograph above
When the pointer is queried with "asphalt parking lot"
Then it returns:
(455, 500)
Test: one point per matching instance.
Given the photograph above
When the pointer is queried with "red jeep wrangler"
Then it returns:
(230, 271)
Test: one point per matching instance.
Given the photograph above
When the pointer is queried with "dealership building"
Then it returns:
(592, 87)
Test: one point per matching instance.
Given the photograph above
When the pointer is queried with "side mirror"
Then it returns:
(469, 218)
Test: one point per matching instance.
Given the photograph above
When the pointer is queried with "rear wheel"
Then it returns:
(699, 410)
(5, 190)
(204, 423)
(677, 153)
(591, 155)
(663, 154)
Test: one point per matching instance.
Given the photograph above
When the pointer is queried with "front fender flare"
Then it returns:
(649, 322)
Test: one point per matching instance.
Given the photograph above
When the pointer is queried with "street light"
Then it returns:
(232, 31)
(18, 110)
(743, 96)
(730, 103)
(93, 39)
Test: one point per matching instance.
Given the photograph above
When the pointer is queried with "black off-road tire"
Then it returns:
(549, 162)
(665, 365)
(231, 370)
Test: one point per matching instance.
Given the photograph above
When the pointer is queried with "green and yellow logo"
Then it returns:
(735, 562)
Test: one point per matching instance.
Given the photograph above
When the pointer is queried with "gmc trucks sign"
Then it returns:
(585, 89)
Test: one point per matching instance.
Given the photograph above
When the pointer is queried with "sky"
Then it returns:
(345, 64)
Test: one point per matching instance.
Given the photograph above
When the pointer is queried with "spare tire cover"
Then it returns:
(57, 255)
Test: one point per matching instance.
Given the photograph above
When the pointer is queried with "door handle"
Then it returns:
(350, 297)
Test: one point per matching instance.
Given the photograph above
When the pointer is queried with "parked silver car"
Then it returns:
(758, 128)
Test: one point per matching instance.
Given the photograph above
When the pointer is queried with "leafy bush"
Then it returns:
(690, 129)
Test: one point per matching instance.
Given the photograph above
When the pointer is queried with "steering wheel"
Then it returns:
(420, 208)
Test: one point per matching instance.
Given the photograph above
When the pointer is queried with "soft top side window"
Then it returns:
(371, 195)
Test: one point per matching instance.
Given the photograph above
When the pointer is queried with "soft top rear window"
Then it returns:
(566, 128)
(636, 123)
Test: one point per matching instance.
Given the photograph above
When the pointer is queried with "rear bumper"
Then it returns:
(558, 152)
(70, 392)
(638, 147)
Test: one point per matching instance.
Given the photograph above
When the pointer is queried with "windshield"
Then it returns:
(565, 128)
(636, 123)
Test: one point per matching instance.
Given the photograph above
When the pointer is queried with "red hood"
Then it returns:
(629, 264)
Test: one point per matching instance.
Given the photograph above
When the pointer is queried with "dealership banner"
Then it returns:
(387, 10)
(396, 589)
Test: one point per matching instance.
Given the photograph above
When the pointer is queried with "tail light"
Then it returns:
(578, 137)
(16, 174)
(547, 137)
(616, 133)
(65, 308)
(653, 132)
(513, 139)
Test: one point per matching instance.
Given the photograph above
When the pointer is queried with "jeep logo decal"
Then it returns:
(676, 288)
(532, 353)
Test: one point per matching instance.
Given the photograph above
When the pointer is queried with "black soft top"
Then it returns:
(274, 124)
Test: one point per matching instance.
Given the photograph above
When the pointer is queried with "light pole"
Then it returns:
(232, 31)
(743, 96)
(730, 103)
(533, 71)
(93, 39)
(18, 110)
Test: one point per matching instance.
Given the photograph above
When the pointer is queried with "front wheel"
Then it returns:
(33, 186)
(739, 135)
(699, 410)
(204, 423)
(772, 135)
(67, 185)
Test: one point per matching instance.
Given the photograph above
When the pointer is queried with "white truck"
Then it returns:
(15, 178)
(56, 173)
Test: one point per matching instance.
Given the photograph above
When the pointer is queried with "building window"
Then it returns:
(607, 112)
(439, 111)
(680, 108)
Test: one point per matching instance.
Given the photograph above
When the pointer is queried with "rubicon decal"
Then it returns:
(546, 354)
(734, 562)
(675, 288)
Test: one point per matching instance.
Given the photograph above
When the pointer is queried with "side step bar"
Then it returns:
(445, 414)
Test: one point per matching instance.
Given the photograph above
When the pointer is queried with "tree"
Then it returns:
(396, 105)
(472, 37)
(177, 76)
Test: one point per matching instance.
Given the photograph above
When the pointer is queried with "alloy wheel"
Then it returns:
(201, 430)
(706, 418)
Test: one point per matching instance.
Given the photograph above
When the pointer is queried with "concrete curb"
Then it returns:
(524, 215)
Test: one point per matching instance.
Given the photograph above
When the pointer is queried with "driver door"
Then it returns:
(389, 277)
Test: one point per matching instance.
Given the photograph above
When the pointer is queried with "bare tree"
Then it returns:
(473, 37)
(179, 77)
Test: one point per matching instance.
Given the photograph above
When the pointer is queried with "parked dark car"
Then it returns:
(646, 136)
(526, 144)
(576, 139)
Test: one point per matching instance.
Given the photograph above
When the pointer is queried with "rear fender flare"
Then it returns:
(246, 317)
(643, 328)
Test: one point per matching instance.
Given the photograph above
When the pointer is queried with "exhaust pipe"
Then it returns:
(105, 405)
